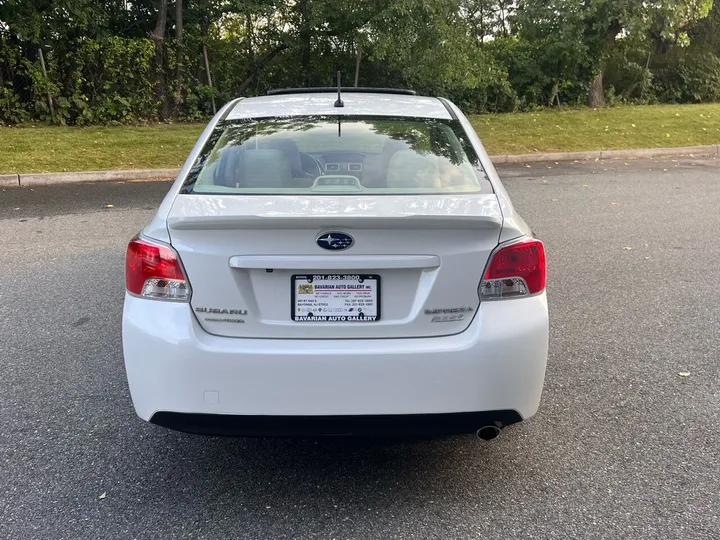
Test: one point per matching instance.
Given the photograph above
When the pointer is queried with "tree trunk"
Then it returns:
(249, 32)
(158, 36)
(179, 58)
(503, 23)
(357, 64)
(305, 37)
(50, 101)
(596, 93)
(209, 78)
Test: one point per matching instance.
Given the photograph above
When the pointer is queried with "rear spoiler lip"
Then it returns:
(413, 221)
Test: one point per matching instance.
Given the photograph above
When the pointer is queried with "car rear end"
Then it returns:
(334, 272)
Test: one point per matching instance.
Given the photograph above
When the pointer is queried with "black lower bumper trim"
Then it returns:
(320, 426)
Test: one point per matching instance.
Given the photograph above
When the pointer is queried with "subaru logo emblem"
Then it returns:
(335, 241)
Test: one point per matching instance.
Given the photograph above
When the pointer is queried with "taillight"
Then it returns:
(153, 271)
(515, 270)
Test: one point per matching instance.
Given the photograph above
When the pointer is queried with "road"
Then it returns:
(623, 446)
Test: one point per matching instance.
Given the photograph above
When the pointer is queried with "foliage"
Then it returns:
(106, 64)
(693, 80)
(588, 33)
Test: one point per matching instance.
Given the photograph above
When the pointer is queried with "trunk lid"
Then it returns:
(420, 257)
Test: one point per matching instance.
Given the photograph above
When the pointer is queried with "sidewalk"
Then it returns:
(25, 180)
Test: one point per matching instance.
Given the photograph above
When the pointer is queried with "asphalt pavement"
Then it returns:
(623, 446)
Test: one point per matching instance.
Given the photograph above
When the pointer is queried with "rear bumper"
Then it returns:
(322, 426)
(184, 378)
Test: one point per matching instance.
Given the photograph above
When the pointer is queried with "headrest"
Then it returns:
(391, 146)
(265, 168)
(407, 169)
(288, 147)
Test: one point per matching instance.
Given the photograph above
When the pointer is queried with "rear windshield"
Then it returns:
(337, 155)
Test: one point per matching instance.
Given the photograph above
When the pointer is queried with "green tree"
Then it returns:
(592, 27)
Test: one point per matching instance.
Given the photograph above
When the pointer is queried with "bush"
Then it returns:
(539, 75)
(12, 109)
(105, 81)
(630, 81)
(110, 80)
(692, 79)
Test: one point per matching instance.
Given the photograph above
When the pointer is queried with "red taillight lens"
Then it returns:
(154, 271)
(517, 269)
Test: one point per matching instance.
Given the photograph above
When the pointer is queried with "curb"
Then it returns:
(95, 176)
(712, 150)
(9, 180)
(22, 180)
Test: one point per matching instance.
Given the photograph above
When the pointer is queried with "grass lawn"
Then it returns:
(54, 149)
(612, 128)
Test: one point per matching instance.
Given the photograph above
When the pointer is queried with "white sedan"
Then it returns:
(336, 266)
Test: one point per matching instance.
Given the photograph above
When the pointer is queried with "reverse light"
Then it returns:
(515, 270)
(153, 270)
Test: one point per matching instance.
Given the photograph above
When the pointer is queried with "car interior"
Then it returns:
(397, 161)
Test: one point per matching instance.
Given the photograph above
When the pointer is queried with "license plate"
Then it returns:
(336, 298)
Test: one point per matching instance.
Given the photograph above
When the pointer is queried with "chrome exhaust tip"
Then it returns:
(488, 433)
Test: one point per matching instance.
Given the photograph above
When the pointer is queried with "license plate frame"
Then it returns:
(333, 316)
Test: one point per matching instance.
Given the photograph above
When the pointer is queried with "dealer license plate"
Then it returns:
(336, 298)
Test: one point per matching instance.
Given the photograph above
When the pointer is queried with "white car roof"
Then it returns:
(356, 103)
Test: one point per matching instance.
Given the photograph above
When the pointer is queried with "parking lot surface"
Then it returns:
(624, 446)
